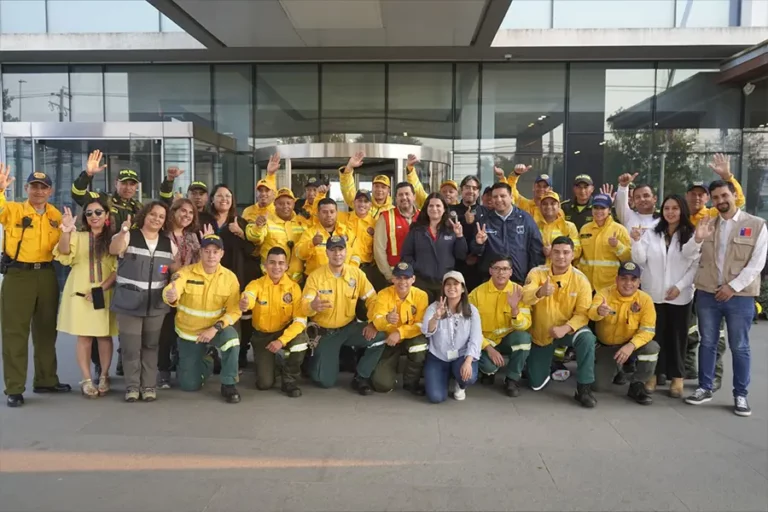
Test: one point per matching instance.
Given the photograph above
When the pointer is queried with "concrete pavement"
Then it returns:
(334, 450)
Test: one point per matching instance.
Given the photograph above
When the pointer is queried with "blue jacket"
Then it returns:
(431, 259)
(518, 238)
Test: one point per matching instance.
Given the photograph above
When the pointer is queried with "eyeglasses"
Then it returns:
(501, 269)
(90, 213)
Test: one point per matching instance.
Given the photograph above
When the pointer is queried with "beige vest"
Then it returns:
(737, 255)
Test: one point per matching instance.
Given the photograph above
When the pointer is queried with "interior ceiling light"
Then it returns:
(576, 152)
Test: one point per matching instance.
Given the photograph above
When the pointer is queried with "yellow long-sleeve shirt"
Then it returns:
(496, 314)
(276, 307)
(599, 261)
(255, 210)
(410, 309)
(363, 230)
(525, 204)
(343, 291)
(39, 238)
(280, 233)
(568, 305)
(349, 190)
(203, 299)
(712, 212)
(560, 227)
(634, 319)
(412, 177)
(314, 256)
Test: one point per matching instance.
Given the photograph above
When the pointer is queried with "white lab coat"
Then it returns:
(665, 268)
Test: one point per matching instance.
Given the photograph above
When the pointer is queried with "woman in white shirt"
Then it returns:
(667, 253)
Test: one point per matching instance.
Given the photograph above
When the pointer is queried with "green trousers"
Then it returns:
(385, 374)
(515, 348)
(195, 366)
(29, 298)
(324, 363)
(691, 353)
(292, 355)
(540, 358)
(606, 367)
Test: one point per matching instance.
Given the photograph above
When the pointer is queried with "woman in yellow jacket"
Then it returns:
(605, 245)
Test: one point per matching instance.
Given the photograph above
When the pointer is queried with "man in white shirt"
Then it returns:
(644, 214)
(733, 252)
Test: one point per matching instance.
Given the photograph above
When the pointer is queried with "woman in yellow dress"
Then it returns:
(84, 310)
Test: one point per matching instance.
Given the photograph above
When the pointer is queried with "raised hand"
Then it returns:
(603, 309)
(322, 189)
(67, 221)
(626, 178)
(514, 298)
(458, 229)
(547, 250)
(613, 241)
(521, 169)
(5, 176)
(704, 229)
(607, 189)
(318, 304)
(317, 239)
(243, 303)
(721, 165)
(274, 164)
(94, 165)
(207, 230)
(174, 172)
(499, 172)
(355, 161)
(234, 228)
(412, 160)
(547, 289)
(636, 233)
(127, 223)
(172, 294)
(442, 309)
(392, 317)
(481, 237)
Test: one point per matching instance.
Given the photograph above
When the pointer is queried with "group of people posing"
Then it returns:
(461, 287)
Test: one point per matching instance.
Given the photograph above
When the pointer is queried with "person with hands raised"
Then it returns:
(625, 325)
(644, 202)
(541, 186)
(381, 187)
(560, 296)
(206, 297)
(605, 245)
(505, 320)
(552, 224)
(398, 312)
(266, 189)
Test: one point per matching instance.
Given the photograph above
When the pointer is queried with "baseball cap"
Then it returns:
(453, 274)
(312, 182)
(40, 177)
(402, 269)
(265, 183)
(602, 200)
(334, 242)
(285, 192)
(583, 178)
(451, 183)
(698, 184)
(198, 185)
(127, 175)
(383, 179)
(630, 268)
(544, 177)
(363, 193)
(211, 240)
(551, 195)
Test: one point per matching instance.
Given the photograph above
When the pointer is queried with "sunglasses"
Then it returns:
(90, 213)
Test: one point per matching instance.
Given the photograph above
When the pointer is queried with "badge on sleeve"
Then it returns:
(287, 298)
(175, 276)
(413, 310)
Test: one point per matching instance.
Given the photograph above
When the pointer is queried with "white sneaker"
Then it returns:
(458, 393)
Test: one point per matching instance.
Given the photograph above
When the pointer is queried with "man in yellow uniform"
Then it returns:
(382, 200)
(505, 320)
(283, 229)
(560, 296)
(206, 297)
(30, 291)
(311, 246)
(265, 192)
(314, 190)
(360, 223)
(330, 297)
(552, 224)
(277, 323)
(625, 326)
(541, 186)
(398, 312)
(605, 245)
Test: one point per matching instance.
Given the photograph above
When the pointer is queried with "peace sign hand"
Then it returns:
(274, 164)
(458, 229)
(412, 160)
(481, 237)
(355, 161)
(603, 309)
(94, 163)
(704, 229)
(5, 176)
(442, 309)
(613, 241)
(67, 221)
(626, 178)
(207, 230)
(721, 165)
(521, 169)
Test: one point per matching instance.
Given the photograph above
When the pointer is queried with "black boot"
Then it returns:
(230, 394)
(620, 379)
(661, 380)
(487, 380)
(291, 389)
(584, 395)
(119, 366)
(416, 389)
(638, 393)
(15, 400)
(512, 388)
(362, 386)
(58, 388)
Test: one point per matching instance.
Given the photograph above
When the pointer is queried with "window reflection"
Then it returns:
(353, 103)
(36, 93)
(286, 106)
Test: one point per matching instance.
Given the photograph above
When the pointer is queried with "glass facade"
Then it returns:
(661, 119)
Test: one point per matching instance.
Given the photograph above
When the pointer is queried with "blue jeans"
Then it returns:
(738, 313)
(437, 373)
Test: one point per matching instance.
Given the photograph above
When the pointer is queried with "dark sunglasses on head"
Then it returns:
(98, 213)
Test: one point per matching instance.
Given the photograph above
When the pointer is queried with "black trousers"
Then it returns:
(433, 288)
(168, 339)
(672, 336)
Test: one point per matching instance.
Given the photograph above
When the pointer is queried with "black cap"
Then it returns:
(211, 240)
(583, 178)
(198, 185)
(402, 269)
(40, 177)
(313, 182)
(630, 268)
(363, 193)
(335, 241)
(128, 175)
(698, 184)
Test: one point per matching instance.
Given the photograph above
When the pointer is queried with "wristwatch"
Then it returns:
(218, 325)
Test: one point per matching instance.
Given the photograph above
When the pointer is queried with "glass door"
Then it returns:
(145, 157)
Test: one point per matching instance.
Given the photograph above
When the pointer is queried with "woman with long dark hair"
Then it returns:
(452, 326)
(667, 252)
(433, 244)
(84, 310)
(183, 222)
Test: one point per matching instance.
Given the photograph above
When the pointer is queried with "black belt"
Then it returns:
(30, 266)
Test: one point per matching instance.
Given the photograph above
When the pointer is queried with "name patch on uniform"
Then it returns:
(585, 235)
(520, 230)
(262, 302)
(745, 232)
(325, 292)
(287, 298)
(447, 237)
(201, 283)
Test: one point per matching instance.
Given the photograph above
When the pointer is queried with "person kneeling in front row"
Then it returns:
(278, 326)
(206, 297)
(560, 296)
(453, 328)
(625, 324)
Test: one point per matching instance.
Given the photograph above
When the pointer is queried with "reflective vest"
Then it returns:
(397, 229)
(141, 277)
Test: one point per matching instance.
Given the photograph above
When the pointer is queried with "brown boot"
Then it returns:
(650, 386)
(676, 388)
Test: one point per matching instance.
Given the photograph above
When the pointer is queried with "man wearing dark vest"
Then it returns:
(391, 229)
(733, 253)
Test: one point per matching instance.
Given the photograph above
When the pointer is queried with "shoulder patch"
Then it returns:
(54, 223)
(370, 231)
(175, 276)
(288, 298)
(413, 310)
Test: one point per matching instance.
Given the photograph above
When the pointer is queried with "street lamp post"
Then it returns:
(20, 82)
